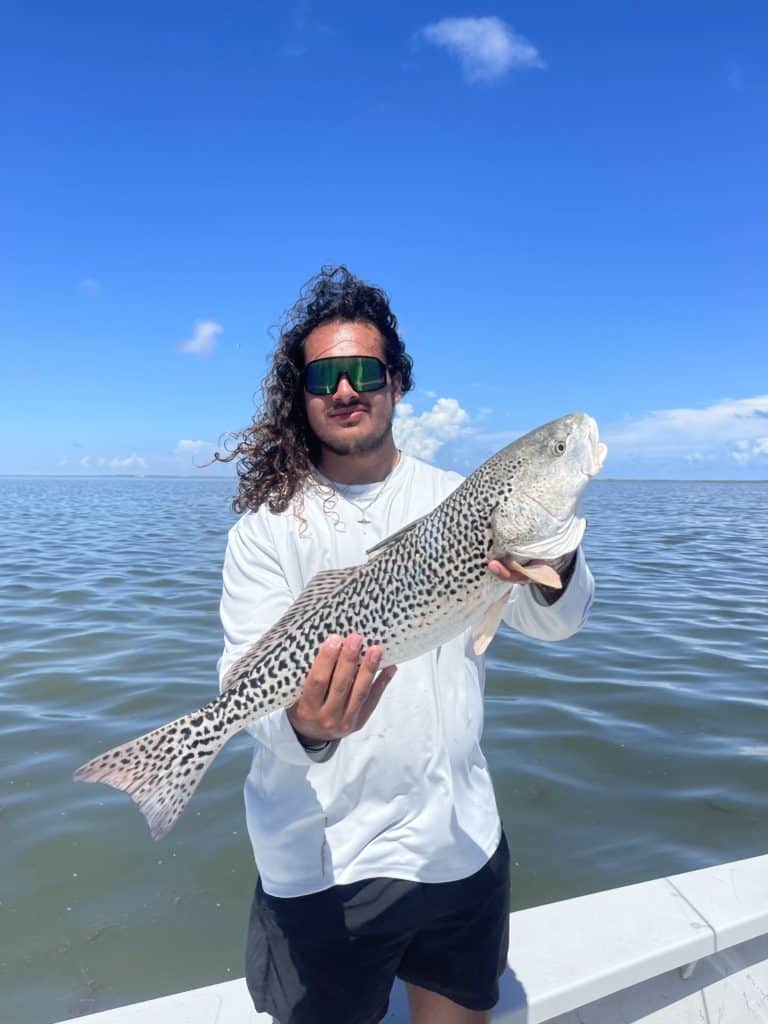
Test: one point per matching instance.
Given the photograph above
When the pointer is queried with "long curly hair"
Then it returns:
(277, 451)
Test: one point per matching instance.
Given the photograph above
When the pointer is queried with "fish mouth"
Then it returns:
(598, 450)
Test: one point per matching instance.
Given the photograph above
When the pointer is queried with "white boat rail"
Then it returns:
(686, 949)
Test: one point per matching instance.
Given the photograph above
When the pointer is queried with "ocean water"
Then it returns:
(636, 749)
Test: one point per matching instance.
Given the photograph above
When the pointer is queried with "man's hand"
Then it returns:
(340, 692)
(563, 566)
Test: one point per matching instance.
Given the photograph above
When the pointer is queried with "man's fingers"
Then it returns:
(537, 569)
(498, 569)
(375, 694)
(319, 676)
(343, 676)
(362, 685)
(341, 689)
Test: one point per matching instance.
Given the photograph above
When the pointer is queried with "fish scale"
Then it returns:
(421, 587)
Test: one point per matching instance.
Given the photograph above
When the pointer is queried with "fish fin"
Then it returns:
(320, 588)
(161, 769)
(543, 574)
(384, 545)
(485, 630)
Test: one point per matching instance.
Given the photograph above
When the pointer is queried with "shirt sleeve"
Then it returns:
(557, 621)
(255, 594)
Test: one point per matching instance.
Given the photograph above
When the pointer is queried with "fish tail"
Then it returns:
(161, 769)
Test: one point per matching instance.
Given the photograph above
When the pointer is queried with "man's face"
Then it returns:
(347, 422)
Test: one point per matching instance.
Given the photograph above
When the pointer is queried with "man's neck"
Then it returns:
(359, 467)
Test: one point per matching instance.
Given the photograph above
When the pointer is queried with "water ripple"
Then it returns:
(634, 749)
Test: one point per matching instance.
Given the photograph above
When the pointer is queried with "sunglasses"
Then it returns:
(364, 373)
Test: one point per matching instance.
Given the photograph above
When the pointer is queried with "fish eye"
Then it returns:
(558, 447)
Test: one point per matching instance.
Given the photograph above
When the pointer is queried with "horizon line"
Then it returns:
(211, 476)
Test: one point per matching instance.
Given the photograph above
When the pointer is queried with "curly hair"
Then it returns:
(277, 451)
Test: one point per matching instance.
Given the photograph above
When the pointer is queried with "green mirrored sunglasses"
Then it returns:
(364, 373)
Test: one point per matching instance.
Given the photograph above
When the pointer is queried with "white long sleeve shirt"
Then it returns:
(409, 795)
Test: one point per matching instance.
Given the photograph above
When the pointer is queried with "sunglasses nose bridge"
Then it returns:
(348, 389)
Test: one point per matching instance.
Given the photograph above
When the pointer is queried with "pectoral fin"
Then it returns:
(485, 630)
(543, 574)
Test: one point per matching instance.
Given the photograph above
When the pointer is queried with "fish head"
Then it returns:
(542, 477)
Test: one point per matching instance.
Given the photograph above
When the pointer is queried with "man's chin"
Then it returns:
(351, 445)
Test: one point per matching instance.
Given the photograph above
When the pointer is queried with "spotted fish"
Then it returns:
(421, 587)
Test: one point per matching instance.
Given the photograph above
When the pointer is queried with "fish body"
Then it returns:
(421, 587)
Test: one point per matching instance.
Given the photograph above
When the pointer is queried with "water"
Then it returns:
(637, 748)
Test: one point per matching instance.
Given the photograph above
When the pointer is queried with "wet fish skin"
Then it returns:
(420, 587)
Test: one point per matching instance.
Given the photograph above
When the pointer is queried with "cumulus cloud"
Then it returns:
(707, 440)
(746, 451)
(187, 448)
(731, 428)
(132, 461)
(487, 48)
(203, 341)
(423, 435)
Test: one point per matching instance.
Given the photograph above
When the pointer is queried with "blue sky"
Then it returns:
(566, 203)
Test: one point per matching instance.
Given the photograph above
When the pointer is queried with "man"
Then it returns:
(369, 804)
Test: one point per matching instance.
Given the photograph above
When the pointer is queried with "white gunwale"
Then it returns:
(674, 946)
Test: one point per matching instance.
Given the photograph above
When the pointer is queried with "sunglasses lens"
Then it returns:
(320, 377)
(364, 373)
(370, 376)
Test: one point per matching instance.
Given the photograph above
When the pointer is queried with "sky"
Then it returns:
(566, 203)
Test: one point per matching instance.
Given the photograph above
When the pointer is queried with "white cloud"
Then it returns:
(707, 440)
(487, 48)
(731, 428)
(189, 448)
(130, 461)
(425, 434)
(746, 451)
(203, 342)
(90, 285)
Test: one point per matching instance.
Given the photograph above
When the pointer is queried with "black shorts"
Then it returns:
(332, 956)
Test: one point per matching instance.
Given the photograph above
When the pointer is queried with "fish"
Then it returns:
(419, 588)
